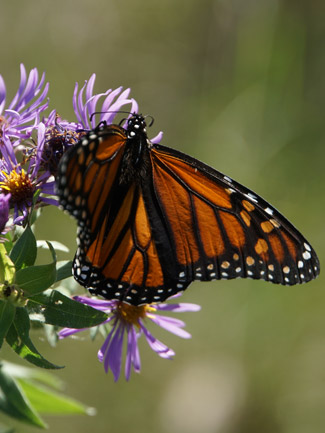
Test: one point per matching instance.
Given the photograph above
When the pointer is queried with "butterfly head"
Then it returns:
(136, 125)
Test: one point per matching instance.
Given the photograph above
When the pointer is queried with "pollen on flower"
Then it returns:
(57, 141)
(18, 185)
(131, 314)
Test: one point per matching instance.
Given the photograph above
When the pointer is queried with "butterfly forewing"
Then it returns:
(87, 173)
(223, 230)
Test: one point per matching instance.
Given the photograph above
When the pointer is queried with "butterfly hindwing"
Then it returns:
(121, 261)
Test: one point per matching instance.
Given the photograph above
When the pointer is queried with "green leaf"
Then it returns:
(9, 243)
(47, 401)
(34, 215)
(7, 314)
(18, 338)
(51, 334)
(7, 268)
(62, 311)
(36, 279)
(63, 270)
(24, 251)
(33, 374)
(14, 402)
(36, 195)
(58, 246)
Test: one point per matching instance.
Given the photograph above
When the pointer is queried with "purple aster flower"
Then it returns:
(4, 211)
(90, 110)
(59, 136)
(41, 156)
(23, 180)
(86, 106)
(130, 320)
(22, 114)
(113, 101)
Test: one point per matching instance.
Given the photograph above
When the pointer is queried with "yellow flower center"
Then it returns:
(131, 314)
(18, 185)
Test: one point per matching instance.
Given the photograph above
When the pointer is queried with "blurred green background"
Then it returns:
(241, 86)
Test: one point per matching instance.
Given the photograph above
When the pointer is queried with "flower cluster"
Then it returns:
(31, 146)
(128, 320)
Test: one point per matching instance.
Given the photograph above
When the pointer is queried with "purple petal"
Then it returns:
(108, 101)
(115, 108)
(81, 108)
(30, 90)
(90, 87)
(75, 103)
(2, 94)
(48, 187)
(136, 354)
(21, 86)
(134, 106)
(132, 353)
(171, 325)
(12, 113)
(91, 106)
(8, 153)
(99, 304)
(103, 350)
(50, 201)
(179, 308)
(66, 332)
(157, 346)
(39, 100)
(113, 357)
(157, 139)
(4, 210)
(129, 348)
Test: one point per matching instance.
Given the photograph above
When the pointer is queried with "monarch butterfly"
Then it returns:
(152, 219)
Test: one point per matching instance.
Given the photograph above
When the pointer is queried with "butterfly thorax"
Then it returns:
(135, 162)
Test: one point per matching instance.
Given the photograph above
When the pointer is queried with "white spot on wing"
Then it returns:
(252, 196)
(308, 248)
(306, 255)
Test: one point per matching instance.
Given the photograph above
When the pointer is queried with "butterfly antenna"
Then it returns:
(104, 112)
(152, 120)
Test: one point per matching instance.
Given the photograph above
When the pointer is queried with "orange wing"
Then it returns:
(220, 229)
(116, 255)
(89, 172)
(121, 262)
